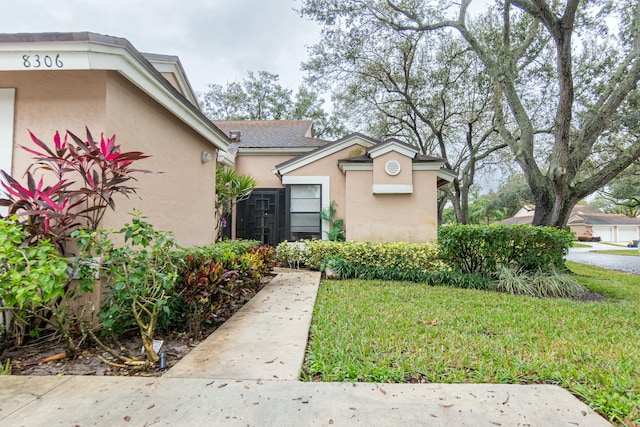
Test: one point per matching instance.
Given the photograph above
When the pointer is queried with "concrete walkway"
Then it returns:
(245, 374)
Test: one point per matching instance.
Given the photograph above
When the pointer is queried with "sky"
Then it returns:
(217, 41)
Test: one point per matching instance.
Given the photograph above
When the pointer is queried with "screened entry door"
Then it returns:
(261, 217)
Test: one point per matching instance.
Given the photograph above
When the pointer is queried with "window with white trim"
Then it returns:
(305, 204)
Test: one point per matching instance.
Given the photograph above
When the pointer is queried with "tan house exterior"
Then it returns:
(66, 81)
(585, 221)
(385, 191)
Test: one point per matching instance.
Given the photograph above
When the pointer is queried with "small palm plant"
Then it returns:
(336, 225)
(231, 188)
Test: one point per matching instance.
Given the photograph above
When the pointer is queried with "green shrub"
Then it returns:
(32, 283)
(486, 249)
(215, 280)
(400, 257)
(142, 276)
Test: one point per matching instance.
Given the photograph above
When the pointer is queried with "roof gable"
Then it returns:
(91, 51)
(171, 65)
(392, 144)
(324, 151)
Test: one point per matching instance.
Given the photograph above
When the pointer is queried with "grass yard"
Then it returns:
(627, 252)
(400, 332)
(580, 245)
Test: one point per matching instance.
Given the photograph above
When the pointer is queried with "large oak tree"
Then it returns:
(564, 81)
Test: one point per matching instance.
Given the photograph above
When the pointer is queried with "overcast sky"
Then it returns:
(217, 41)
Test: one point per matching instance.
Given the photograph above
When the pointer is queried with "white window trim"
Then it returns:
(7, 110)
(324, 181)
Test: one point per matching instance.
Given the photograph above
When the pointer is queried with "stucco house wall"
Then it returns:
(391, 217)
(47, 101)
(181, 197)
(260, 168)
(105, 84)
(327, 168)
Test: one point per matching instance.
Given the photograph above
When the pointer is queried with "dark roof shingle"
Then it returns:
(271, 133)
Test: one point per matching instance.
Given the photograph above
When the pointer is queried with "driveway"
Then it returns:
(625, 263)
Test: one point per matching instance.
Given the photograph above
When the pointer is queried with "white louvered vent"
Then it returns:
(392, 167)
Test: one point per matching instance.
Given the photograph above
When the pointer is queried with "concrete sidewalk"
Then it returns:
(246, 373)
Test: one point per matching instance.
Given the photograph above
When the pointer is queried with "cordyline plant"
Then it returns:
(84, 176)
(77, 182)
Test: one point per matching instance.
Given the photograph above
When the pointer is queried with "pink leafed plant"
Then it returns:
(85, 176)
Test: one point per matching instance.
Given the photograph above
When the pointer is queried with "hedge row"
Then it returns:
(487, 249)
(314, 254)
(214, 281)
(465, 249)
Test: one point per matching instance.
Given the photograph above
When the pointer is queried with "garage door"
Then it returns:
(626, 233)
(605, 232)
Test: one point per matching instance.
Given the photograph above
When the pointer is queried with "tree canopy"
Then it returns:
(260, 96)
(562, 79)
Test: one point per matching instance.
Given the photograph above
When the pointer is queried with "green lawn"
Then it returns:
(397, 331)
(580, 245)
(626, 252)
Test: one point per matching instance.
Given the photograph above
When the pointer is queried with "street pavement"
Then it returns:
(624, 263)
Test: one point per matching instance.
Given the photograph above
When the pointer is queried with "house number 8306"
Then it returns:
(38, 61)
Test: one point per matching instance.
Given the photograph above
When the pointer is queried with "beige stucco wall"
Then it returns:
(47, 101)
(181, 199)
(380, 176)
(391, 217)
(260, 167)
(580, 230)
(171, 78)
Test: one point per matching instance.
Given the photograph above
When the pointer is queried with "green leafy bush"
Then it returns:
(486, 249)
(142, 276)
(33, 282)
(214, 281)
(401, 256)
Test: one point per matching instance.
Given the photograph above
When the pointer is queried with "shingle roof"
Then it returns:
(580, 214)
(604, 219)
(271, 133)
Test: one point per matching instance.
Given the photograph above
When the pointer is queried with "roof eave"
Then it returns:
(90, 51)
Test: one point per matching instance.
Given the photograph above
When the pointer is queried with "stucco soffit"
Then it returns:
(431, 166)
(447, 176)
(92, 55)
(344, 167)
(321, 153)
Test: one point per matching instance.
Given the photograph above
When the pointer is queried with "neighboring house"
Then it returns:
(584, 221)
(66, 81)
(384, 190)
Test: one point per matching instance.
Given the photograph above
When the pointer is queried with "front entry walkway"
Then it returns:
(245, 374)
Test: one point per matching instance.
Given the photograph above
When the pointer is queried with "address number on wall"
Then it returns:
(42, 61)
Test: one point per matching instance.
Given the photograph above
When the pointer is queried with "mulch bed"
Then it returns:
(45, 355)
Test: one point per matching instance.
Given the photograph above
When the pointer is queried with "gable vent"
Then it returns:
(392, 167)
(234, 135)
